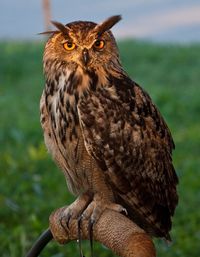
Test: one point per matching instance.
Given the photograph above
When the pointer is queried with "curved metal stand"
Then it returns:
(41, 242)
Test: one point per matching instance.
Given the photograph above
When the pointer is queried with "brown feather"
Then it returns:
(48, 32)
(61, 27)
(107, 24)
(135, 151)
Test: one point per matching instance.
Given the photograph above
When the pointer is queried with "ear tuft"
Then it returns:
(107, 24)
(60, 27)
(48, 32)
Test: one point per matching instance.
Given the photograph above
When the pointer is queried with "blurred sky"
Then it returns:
(156, 20)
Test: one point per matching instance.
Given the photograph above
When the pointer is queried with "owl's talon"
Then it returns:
(90, 230)
(68, 217)
(79, 236)
(63, 223)
(124, 210)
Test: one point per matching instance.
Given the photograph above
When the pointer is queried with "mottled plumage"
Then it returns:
(104, 131)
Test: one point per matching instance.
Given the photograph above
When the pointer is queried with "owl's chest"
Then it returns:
(61, 98)
(64, 139)
(64, 120)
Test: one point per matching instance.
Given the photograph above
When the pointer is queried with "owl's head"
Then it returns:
(83, 43)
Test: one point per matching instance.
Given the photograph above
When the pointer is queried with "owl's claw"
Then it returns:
(90, 230)
(68, 217)
(124, 210)
(65, 219)
(63, 224)
(79, 236)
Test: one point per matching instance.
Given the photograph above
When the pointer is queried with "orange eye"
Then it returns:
(69, 46)
(99, 44)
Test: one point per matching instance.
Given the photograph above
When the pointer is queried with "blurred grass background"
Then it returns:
(31, 186)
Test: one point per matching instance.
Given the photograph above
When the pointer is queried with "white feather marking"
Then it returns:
(55, 99)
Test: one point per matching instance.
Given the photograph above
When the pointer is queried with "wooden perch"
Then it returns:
(113, 229)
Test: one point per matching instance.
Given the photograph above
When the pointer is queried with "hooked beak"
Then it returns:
(85, 56)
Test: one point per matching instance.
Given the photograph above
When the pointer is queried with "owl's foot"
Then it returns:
(74, 211)
(93, 212)
(86, 207)
(97, 206)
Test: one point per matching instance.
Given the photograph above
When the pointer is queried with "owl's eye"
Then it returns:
(69, 46)
(99, 44)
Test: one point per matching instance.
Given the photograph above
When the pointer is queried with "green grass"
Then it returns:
(31, 186)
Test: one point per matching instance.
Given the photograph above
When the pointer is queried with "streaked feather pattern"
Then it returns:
(128, 137)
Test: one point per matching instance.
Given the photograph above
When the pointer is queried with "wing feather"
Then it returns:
(125, 133)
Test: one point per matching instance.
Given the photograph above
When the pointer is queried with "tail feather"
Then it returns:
(155, 221)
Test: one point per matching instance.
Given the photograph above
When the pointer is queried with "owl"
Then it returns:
(103, 130)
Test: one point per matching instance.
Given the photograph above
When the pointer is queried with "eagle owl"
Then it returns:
(103, 130)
